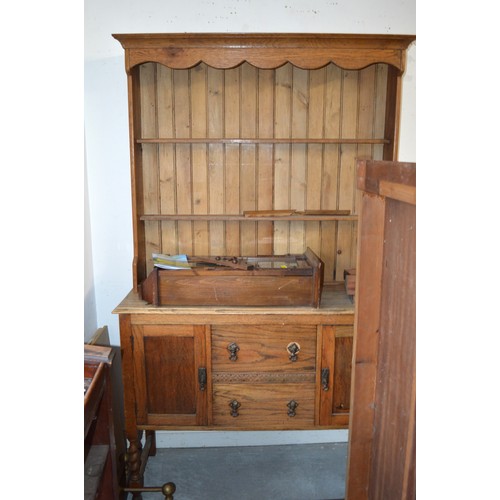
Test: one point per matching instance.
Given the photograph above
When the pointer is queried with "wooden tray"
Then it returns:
(283, 280)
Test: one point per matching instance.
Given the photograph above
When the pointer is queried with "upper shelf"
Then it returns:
(265, 51)
(235, 140)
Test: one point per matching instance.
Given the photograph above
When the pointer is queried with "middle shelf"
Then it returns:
(237, 217)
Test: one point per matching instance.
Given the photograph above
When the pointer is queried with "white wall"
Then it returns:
(106, 125)
(90, 312)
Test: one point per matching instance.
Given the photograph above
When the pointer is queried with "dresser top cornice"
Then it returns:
(265, 50)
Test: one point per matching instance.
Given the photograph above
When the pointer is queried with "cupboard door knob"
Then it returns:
(202, 378)
(292, 406)
(233, 349)
(234, 408)
(293, 349)
(325, 376)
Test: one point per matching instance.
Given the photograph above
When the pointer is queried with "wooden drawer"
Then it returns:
(263, 405)
(263, 348)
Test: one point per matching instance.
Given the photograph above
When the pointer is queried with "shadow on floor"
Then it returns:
(284, 472)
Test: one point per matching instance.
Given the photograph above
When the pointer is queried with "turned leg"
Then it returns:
(133, 458)
(152, 436)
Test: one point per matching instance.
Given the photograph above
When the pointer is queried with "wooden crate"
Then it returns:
(265, 283)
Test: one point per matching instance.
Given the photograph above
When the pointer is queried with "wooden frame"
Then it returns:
(381, 460)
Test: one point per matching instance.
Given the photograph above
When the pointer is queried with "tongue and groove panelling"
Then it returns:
(199, 176)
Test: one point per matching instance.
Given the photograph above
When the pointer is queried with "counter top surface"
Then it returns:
(333, 301)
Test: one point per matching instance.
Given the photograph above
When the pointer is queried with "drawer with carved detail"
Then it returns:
(264, 405)
(241, 348)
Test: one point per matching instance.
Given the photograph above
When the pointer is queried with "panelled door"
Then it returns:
(335, 375)
(171, 374)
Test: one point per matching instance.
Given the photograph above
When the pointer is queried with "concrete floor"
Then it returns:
(282, 472)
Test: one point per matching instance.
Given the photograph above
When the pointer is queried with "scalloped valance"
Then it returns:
(265, 51)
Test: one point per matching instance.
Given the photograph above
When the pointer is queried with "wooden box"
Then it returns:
(283, 280)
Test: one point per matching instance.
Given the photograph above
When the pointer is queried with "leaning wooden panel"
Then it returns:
(381, 461)
(394, 422)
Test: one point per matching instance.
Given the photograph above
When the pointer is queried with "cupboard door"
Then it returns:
(335, 375)
(171, 374)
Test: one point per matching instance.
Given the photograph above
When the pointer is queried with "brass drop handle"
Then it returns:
(293, 349)
(292, 406)
(325, 377)
(234, 408)
(233, 349)
(202, 378)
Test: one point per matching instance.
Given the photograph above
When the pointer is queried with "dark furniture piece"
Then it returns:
(100, 466)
